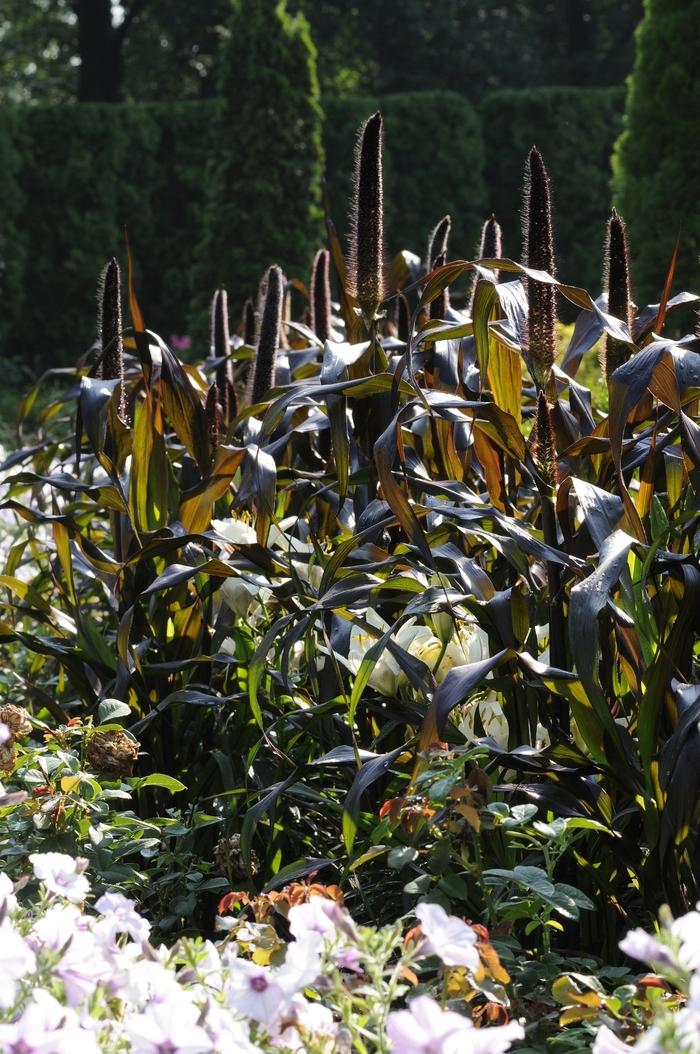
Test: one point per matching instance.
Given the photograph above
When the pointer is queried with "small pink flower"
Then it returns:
(183, 343)
(447, 937)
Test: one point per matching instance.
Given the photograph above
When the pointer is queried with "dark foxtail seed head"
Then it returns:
(110, 329)
(320, 295)
(539, 254)
(269, 339)
(437, 243)
(440, 305)
(220, 347)
(366, 257)
(214, 417)
(248, 323)
(403, 318)
(490, 248)
(618, 282)
(545, 452)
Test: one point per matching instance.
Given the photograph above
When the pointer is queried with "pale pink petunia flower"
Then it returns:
(447, 937)
(62, 875)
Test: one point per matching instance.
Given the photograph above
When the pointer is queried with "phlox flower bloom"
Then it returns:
(16, 961)
(62, 875)
(169, 1027)
(304, 1021)
(46, 1027)
(447, 937)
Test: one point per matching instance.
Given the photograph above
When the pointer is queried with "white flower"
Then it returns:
(46, 1027)
(5, 733)
(319, 915)
(687, 927)
(425, 1027)
(16, 961)
(62, 875)
(170, 1026)
(120, 916)
(448, 937)
(385, 673)
(310, 1024)
(245, 595)
(302, 964)
(606, 1042)
(639, 944)
(8, 900)
(252, 991)
(493, 721)
(236, 531)
(230, 1035)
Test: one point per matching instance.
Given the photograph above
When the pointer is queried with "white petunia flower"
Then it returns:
(8, 900)
(252, 991)
(425, 1027)
(16, 961)
(62, 875)
(120, 916)
(448, 937)
(169, 1027)
(46, 1027)
(639, 944)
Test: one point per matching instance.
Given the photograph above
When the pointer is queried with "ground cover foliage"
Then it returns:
(376, 596)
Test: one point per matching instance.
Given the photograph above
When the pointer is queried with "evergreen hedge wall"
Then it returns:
(575, 130)
(72, 177)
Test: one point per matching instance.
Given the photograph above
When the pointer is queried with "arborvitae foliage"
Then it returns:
(248, 323)
(657, 157)
(539, 254)
(618, 283)
(110, 329)
(269, 340)
(220, 347)
(265, 198)
(366, 256)
(320, 295)
(437, 242)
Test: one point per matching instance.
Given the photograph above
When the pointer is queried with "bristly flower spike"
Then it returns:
(545, 452)
(220, 348)
(214, 417)
(110, 330)
(320, 295)
(539, 255)
(437, 243)
(490, 248)
(366, 256)
(269, 340)
(618, 283)
(249, 323)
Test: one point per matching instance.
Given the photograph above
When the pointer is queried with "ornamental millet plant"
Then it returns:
(264, 369)
(618, 285)
(366, 255)
(490, 248)
(539, 255)
(320, 295)
(220, 348)
(109, 317)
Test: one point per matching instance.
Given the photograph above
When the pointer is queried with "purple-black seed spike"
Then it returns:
(248, 323)
(490, 248)
(544, 453)
(269, 339)
(110, 329)
(618, 283)
(320, 295)
(437, 243)
(366, 256)
(403, 318)
(440, 305)
(220, 347)
(539, 255)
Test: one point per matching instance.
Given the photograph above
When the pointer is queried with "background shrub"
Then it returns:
(265, 193)
(574, 129)
(657, 157)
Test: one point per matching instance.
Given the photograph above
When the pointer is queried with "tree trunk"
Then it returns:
(99, 46)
